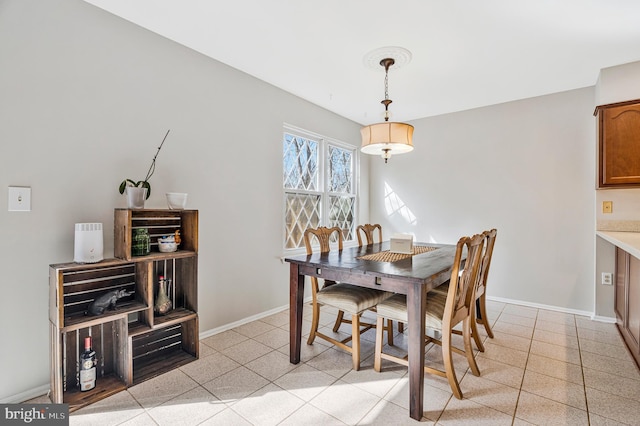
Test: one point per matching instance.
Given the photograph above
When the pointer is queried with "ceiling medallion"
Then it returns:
(400, 55)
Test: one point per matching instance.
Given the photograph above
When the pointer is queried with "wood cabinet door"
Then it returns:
(620, 286)
(619, 144)
(633, 301)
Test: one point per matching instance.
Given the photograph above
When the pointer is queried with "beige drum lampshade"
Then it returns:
(387, 138)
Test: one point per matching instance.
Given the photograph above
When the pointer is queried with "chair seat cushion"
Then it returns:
(395, 308)
(351, 298)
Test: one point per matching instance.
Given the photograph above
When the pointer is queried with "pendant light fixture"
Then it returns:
(387, 138)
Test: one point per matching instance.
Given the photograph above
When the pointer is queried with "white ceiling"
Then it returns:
(465, 53)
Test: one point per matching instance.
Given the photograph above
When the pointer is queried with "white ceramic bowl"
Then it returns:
(176, 200)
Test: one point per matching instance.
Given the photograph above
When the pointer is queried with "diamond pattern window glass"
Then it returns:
(302, 212)
(341, 214)
(300, 163)
(340, 167)
(319, 185)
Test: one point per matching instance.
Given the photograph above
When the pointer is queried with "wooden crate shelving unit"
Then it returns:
(131, 342)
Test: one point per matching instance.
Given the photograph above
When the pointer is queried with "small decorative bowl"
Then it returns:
(176, 200)
(167, 244)
(167, 247)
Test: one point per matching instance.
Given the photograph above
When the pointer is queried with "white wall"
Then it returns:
(85, 99)
(618, 84)
(526, 168)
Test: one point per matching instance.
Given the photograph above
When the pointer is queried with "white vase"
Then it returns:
(136, 197)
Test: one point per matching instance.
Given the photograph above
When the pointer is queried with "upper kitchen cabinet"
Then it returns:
(619, 145)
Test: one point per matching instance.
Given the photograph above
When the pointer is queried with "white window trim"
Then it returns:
(323, 152)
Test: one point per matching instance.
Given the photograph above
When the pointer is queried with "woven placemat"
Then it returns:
(387, 256)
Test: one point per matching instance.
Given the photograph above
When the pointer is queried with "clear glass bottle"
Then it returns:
(163, 303)
(140, 242)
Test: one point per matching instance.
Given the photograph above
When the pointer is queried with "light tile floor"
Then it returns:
(542, 368)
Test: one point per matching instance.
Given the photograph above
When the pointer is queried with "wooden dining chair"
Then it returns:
(443, 313)
(481, 316)
(368, 229)
(348, 298)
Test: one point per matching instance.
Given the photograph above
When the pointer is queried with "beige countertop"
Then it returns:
(628, 241)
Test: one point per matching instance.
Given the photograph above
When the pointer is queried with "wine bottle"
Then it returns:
(88, 364)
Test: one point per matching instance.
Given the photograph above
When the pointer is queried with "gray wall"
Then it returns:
(526, 168)
(85, 99)
(605, 263)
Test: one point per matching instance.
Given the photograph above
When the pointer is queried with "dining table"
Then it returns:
(375, 266)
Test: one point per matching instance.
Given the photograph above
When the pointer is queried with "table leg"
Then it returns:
(416, 306)
(296, 296)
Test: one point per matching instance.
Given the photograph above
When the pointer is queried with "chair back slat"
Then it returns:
(368, 229)
(490, 240)
(463, 282)
(323, 235)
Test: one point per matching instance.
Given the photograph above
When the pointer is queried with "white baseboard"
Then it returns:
(26, 395)
(591, 315)
(213, 331)
(599, 318)
(541, 306)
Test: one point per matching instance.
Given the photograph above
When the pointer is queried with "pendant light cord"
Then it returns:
(386, 63)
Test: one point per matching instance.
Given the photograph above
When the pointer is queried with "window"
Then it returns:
(319, 185)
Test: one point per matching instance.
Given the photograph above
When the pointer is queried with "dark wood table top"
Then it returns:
(419, 268)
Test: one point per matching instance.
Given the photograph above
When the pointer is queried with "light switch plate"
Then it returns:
(19, 199)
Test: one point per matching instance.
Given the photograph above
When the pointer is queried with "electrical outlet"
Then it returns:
(19, 199)
(607, 278)
(607, 207)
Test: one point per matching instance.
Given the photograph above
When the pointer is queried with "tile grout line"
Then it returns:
(584, 382)
(524, 372)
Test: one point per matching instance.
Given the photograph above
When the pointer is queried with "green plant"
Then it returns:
(144, 183)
